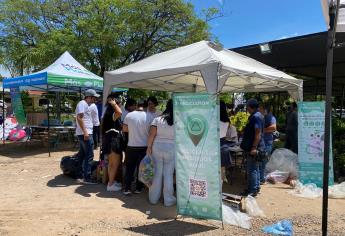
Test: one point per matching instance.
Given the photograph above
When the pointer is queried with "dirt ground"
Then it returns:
(37, 200)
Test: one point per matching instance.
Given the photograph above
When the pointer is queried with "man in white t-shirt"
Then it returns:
(84, 132)
(137, 125)
(95, 123)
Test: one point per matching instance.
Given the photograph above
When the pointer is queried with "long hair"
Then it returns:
(223, 114)
(108, 120)
(168, 113)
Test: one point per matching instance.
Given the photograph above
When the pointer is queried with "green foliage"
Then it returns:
(239, 120)
(226, 97)
(101, 34)
(338, 132)
(144, 94)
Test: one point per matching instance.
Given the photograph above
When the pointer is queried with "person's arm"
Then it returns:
(273, 126)
(80, 121)
(125, 128)
(270, 129)
(117, 109)
(151, 138)
(257, 136)
(253, 151)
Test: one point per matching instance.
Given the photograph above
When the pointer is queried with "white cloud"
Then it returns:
(289, 36)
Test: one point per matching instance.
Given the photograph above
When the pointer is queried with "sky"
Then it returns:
(246, 22)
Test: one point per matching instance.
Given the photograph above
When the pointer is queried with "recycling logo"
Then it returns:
(196, 128)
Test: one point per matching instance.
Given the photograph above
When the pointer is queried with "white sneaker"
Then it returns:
(113, 188)
(118, 184)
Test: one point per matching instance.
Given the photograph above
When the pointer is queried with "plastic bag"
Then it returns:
(337, 191)
(233, 216)
(252, 207)
(283, 160)
(283, 227)
(306, 191)
(277, 176)
(146, 171)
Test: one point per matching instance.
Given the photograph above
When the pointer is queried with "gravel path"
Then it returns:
(37, 200)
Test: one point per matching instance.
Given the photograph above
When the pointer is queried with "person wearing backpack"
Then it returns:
(270, 127)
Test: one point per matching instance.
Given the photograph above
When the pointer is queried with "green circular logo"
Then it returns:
(196, 128)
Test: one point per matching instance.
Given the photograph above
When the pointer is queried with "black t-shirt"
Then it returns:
(108, 122)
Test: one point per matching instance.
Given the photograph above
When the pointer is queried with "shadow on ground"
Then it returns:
(61, 181)
(174, 227)
(21, 150)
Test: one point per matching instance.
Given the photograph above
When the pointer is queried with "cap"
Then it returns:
(253, 103)
(91, 93)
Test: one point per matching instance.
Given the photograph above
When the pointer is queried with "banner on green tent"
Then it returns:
(17, 105)
(311, 130)
(75, 81)
(197, 155)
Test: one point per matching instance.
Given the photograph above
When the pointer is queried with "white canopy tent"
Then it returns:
(202, 66)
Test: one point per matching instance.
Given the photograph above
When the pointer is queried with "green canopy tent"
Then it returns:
(64, 75)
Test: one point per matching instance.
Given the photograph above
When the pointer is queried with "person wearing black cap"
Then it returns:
(84, 132)
(254, 146)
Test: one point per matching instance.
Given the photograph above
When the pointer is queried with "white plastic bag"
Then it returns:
(233, 216)
(283, 160)
(277, 176)
(252, 207)
(306, 191)
(337, 191)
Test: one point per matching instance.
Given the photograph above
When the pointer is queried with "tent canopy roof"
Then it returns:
(202, 66)
(65, 73)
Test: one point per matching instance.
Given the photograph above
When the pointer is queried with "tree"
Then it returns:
(101, 34)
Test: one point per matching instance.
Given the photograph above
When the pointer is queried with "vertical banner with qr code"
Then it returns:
(311, 132)
(197, 155)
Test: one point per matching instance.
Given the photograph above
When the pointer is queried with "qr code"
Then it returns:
(198, 188)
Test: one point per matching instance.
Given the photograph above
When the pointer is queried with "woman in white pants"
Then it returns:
(161, 147)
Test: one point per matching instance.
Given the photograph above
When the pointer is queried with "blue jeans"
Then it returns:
(163, 155)
(262, 164)
(86, 154)
(253, 174)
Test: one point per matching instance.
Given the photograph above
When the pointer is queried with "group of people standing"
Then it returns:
(136, 131)
(139, 130)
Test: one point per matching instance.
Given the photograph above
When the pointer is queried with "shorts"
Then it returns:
(112, 142)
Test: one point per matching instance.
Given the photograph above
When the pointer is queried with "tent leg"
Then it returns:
(3, 114)
(48, 103)
(333, 14)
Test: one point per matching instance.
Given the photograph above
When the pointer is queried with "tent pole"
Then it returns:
(48, 103)
(3, 114)
(333, 14)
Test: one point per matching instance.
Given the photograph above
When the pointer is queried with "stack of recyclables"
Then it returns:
(281, 166)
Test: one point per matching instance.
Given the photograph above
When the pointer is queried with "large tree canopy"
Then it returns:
(101, 34)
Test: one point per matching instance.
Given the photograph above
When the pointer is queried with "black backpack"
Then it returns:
(71, 166)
